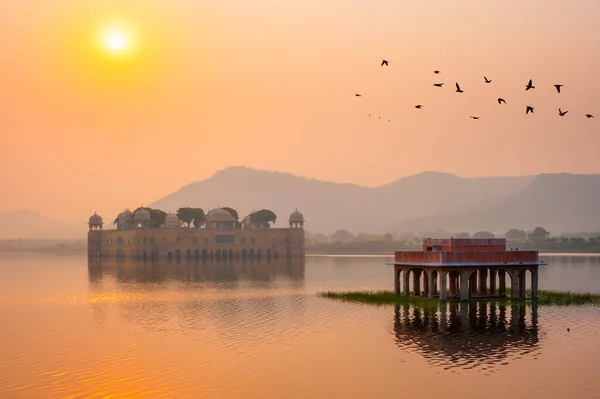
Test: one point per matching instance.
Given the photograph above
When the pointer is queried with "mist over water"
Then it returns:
(249, 330)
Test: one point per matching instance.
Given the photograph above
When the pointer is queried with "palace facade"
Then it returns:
(222, 238)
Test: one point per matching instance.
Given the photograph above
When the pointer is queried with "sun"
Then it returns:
(116, 41)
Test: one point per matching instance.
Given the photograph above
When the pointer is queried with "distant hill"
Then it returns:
(329, 206)
(562, 203)
(27, 224)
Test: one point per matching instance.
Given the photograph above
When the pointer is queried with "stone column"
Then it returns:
(483, 273)
(502, 281)
(452, 283)
(425, 282)
(514, 294)
(431, 287)
(406, 278)
(464, 285)
(473, 281)
(493, 273)
(522, 284)
(443, 293)
(417, 282)
(397, 273)
(534, 283)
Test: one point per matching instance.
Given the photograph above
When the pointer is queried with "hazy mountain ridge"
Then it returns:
(430, 201)
(328, 206)
(562, 203)
(28, 224)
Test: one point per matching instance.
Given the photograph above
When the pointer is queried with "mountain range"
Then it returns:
(428, 201)
(27, 224)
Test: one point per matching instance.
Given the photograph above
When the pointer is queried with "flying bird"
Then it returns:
(438, 84)
(474, 117)
(529, 85)
(358, 95)
(418, 106)
(487, 80)
(589, 116)
(458, 90)
(384, 62)
(501, 100)
(558, 88)
(528, 109)
(561, 113)
(436, 71)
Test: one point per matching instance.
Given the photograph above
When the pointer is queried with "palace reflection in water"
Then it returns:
(468, 334)
(197, 271)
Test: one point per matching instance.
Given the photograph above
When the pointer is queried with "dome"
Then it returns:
(125, 215)
(95, 220)
(172, 220)
(141, 215)
(219, 215)
(296, 216)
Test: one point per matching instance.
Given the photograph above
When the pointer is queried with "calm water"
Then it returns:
(258, 330)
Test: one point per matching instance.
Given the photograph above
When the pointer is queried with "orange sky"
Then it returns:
(271, 85)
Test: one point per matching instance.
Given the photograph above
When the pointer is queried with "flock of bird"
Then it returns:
(528, 86)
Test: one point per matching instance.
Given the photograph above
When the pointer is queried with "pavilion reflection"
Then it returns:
(468, 335)
(124, 271)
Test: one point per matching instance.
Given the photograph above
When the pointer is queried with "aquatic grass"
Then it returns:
(379, 298)
(545, 298)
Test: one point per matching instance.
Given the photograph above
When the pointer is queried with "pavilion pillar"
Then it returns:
(452, 283)
(514, 294)
(406, 278)
(443, 293)
(426, 280)
(502, 282)
(522, 284)
(493, 273)
(483, 274)
(431, 285)
(464, 285)
(534, 283)
(417, 281)
(397, 273)
(473, 282)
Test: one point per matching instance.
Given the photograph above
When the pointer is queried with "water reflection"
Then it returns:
(468, 335)
(130, 271)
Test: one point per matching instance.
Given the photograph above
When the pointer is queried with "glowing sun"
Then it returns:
(116, 41)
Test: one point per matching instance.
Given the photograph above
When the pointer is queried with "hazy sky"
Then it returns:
(270, 84)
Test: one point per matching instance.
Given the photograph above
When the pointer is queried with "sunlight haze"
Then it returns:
(178, 90)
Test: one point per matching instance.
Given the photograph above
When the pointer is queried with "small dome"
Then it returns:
(141, 215)
(95, 220)
(296, 216)
(125, 215)
(219, 215)
(172, 220)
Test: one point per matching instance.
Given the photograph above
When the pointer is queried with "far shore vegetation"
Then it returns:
(344, 241)
(545, 298)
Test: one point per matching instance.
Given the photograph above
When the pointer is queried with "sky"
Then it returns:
(271, 84)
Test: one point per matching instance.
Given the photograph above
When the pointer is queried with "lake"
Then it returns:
(255, 330)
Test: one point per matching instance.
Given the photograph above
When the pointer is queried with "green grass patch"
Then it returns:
(545, 298)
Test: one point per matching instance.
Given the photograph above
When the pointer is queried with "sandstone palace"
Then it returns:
(218, 236)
